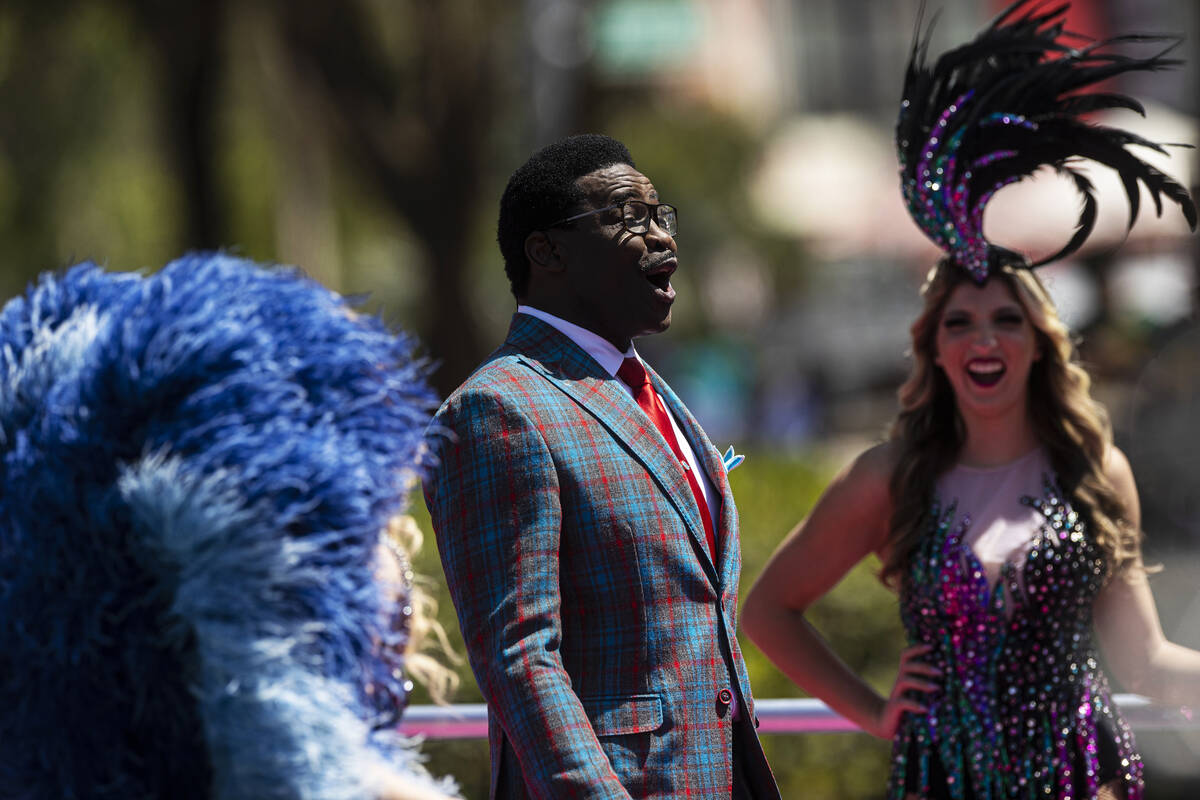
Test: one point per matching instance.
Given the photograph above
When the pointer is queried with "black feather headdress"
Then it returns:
(995, 110)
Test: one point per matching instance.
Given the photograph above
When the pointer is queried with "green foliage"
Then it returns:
(859, 617)
(81, 175)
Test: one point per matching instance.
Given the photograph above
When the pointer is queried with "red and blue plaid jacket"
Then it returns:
(598, 628)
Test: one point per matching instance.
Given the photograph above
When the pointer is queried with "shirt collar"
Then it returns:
(593, 344)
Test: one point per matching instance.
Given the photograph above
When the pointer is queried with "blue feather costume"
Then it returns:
(196, 467)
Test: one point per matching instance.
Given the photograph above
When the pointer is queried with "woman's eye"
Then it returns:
(1010, 319)
(954, 323)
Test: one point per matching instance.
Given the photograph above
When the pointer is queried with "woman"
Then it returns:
(999, 506)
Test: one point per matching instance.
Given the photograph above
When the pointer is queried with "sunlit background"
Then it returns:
(368, 141)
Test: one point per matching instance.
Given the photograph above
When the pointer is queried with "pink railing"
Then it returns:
(469, 720)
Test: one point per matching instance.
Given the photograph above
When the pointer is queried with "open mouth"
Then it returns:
(985, 371)
(660, 276)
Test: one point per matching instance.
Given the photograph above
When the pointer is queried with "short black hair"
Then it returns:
(543, 191)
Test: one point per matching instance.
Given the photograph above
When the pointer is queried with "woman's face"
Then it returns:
(986, 345)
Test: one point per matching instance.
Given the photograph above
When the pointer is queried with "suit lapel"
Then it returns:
(711, 461)
(570, 369)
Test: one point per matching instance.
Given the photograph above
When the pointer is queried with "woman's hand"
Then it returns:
(910, 678)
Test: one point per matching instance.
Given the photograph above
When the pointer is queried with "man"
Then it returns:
(590, 545)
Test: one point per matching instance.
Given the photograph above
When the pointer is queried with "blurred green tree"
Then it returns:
(413, 121)
(132, 130)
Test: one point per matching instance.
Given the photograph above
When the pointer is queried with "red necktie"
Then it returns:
(634, 375)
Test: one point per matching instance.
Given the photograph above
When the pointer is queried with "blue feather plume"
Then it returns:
(196, 468)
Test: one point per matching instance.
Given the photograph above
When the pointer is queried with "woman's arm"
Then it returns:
(849, 521)
(1127, 623)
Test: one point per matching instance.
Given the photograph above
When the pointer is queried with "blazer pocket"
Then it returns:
(615, 715)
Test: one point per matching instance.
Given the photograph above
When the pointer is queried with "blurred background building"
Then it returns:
(368, 141)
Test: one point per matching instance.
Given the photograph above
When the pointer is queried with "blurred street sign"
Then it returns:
(636, 37)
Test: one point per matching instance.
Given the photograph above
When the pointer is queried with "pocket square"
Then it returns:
(732, 460)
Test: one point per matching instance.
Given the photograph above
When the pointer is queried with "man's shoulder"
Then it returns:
(508, 373)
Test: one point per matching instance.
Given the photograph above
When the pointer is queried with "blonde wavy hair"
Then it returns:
(428, 645)
(929, 433)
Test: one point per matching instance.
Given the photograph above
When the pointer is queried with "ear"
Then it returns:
(544, 253)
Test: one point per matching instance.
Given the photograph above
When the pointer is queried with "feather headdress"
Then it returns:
(196, 468)
(993, 111)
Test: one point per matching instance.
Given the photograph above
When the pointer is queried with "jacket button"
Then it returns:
(725, 697)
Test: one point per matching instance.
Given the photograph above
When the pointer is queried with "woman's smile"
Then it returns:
(985, 372)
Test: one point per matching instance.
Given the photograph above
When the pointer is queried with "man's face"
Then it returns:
(619, 282)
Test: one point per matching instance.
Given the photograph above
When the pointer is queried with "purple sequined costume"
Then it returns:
(1024, 710)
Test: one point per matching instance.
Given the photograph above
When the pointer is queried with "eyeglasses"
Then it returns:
(635, 216)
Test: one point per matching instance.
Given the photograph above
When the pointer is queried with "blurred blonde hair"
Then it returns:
(428, 644)
(1072, 427)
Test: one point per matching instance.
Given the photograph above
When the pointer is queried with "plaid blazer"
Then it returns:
(598, 628)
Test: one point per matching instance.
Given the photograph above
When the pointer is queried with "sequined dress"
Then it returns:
(1023, 710)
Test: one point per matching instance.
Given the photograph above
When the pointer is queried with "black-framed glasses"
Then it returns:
(636, 215)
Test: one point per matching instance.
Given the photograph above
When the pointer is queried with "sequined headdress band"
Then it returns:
(993, 111)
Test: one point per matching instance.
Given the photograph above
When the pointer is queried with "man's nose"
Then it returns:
(659, 234)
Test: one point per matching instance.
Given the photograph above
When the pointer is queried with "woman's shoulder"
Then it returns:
(1116, 466)
(870, 472)
(878, 462)
(1120, 476)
